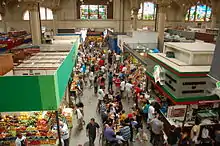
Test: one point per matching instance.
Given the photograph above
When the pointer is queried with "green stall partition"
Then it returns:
(27, 93)
(63, 73)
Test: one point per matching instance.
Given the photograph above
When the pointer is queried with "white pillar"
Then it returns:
(214, 13)
(161, 25)
(74, 9)
(54, 22)
(5, 27)
(35, 24)
(134, 23)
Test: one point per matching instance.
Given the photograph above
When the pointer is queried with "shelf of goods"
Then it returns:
(3, 48)
(15, 38)
(94, 39)
(36, 126)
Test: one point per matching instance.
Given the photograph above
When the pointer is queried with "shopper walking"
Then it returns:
(156, 131)
(128, 89)
(173, 136)
(95, 84)
(101, 95)
(79, 116)
(91, 129)
(122, 88)
(110, 81)
(91, 78)
(64, 133)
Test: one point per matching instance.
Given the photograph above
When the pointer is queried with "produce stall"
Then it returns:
(38, 127)
(3, 48)
(43, 111)
(15, 38)
(94, 36)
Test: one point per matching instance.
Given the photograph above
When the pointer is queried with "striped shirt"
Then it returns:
(125, 132)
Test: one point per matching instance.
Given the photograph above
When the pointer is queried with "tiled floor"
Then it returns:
(90, 102)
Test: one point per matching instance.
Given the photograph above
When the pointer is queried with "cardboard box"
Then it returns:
(6, 63)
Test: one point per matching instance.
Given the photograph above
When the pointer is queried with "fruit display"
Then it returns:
(94, 39)
(36, 126)
(68, 114)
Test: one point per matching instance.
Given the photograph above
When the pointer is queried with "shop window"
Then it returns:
(194, 83)
(192, 91)
(147, 11)
(93, 12)
(198, 13)
(45, 14)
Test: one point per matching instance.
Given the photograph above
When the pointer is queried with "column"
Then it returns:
(54, 22)
(74, 9)
(135, 6)
(5, 27)
(119, 13)
(35, 23)
(161, 25)
(214, 13)
(135, 14)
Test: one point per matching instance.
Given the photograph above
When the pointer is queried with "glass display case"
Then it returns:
(102, 12)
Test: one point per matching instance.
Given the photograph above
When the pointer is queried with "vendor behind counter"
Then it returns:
(206, 116)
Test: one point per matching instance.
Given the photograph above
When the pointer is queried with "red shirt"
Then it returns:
(121, 66)
(117, 82)
(137, 90)
(101, 62)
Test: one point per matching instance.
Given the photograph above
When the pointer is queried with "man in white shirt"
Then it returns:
(128, 89)
(91, 78)
(124, 69)
(101, 95)
(20, 140)
(122, 88)
(64, 133)
(79, 118)
(103, 69)
(118, 58)
(151, 112)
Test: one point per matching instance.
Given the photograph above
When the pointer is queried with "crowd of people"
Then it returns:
(114, 81)
(117, 80)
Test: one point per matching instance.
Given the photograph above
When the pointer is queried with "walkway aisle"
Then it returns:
(90, 101)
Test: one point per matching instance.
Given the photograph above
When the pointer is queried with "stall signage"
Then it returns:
(176, 112)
